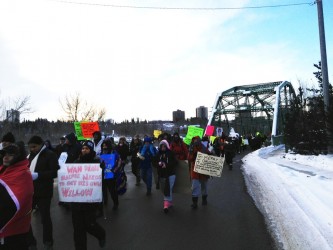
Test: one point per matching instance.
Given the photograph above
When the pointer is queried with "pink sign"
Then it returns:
(209, 130)
(80, 183)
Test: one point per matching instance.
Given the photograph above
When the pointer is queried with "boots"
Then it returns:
(166, 206)
(194, 203)
(204, 200)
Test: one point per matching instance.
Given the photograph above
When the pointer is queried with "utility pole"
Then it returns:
(324, 69)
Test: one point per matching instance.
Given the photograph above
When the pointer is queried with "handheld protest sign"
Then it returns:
(80, 183)
(209, 164)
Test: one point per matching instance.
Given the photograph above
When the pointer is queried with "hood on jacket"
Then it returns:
(164, 142)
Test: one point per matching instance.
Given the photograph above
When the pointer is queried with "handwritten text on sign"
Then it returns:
(209, 165)
(80, 183)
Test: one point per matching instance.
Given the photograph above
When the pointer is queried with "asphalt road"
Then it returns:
(229, 221)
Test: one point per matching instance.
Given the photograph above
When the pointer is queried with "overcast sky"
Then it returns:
(147, 62)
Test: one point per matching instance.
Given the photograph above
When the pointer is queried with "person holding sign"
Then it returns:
(199, 181)
(84, 213)
(111, 164)
(166, 168)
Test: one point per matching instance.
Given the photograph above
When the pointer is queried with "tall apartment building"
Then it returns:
(201, 112)
(178, 116)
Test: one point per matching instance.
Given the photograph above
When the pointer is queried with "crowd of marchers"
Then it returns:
(27, 173)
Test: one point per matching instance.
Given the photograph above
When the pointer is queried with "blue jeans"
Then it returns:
(199, 186)
(147, 176)
(172, 180)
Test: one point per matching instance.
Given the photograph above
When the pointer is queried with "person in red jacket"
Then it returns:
(16, 191)
(179, 147)
(199, 181)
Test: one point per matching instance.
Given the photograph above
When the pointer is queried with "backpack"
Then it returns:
(121, 183)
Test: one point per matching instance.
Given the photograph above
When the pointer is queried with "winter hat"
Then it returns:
(36, 140)
(89, 144)
(176, 134)
(147, 139)
(71, 137)
(17, 150)
(12, 149)
(164, 142)
(97, 133)
(9, 137)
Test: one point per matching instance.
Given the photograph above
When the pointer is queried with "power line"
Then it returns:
(187, 8)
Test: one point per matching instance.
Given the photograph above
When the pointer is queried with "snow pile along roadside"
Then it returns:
(294, 193)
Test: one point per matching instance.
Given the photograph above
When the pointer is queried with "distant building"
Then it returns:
(13, 115)
(201, 112)
(178, 116)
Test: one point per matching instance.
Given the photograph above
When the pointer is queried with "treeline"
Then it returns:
(54, 130)
(308, 128)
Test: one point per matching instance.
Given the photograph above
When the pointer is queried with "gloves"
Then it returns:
(162, 164)
(34, 176)
(140, 156)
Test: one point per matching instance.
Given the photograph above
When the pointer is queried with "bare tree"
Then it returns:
(77, 109)
(20, 105)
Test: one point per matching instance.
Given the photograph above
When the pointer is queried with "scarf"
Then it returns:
(34, 160)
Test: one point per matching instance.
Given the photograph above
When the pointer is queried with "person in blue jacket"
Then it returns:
(147, 154)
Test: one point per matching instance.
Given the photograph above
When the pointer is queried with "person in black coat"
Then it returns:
(84, 214)
(72, 147)
(135, 147)
(43, 166)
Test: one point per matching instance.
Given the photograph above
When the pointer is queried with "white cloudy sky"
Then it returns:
(146, 63)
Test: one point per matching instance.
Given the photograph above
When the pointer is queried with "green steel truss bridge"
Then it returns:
(252, 108)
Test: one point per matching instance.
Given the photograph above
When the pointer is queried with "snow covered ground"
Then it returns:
(295, 195)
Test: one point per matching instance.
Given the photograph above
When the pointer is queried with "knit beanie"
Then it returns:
(89, 144)
(36, 140)
(9, 137)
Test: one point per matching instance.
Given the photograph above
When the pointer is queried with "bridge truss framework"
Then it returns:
(251, 108)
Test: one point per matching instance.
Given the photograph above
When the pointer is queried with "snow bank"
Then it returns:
(295, 195)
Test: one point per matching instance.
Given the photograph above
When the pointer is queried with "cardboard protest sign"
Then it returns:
(85, 130)
(88, 128)
(157, 133)
(209, 130)
(191, 132)
(209, 164)
(219, 131)
(110, 161)
(212, 139)
(78, 131)
(80, 182)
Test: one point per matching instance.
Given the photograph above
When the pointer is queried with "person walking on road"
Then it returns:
(6, 140)
(97, 143)
(111, 164)
(147, 154)
(166, 169)
(16, 191)
(135, 146)
(43, 166)
(199, 181)
(84, 213)
(179, 147)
